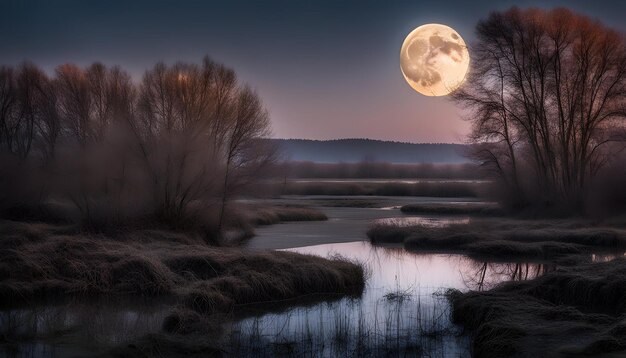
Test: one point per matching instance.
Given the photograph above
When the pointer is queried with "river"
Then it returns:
(402, 311)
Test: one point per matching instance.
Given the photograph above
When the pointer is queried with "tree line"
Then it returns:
(181, 141)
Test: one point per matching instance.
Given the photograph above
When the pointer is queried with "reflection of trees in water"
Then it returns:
(407, 262)
(480, 276)
(381, 256)
(50, 331)
(476, 275)
(391, 319)
(412, 327)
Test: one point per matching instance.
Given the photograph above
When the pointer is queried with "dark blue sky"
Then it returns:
(325, 69)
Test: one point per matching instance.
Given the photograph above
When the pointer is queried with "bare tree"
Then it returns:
(8, 108)
(48, 125)
(547, 92)
(74, 95)
(27, 111)
(250, 123)
(200, 111)
(175, 110)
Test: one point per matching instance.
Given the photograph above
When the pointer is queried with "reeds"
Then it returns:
(415, 326)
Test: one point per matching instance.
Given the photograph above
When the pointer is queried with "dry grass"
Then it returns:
(43, 263)
(238, 226)
(269, 215)
(381, 233)
(575, 310)
(505, 238)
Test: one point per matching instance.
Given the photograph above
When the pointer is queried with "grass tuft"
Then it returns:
(506, 238)
(154, 263)
(573, 310)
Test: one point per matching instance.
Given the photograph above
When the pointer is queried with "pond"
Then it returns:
(77, 328)
(403, 310)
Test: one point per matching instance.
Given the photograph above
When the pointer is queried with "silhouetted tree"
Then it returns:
(179, 110)
(27, 112)
(547, 91)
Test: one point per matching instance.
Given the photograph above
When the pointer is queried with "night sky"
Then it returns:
(325, 69)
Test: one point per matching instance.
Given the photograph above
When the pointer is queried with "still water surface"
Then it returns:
(402, 310)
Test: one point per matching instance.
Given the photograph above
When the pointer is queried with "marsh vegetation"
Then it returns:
(154, 218)
(575, 310)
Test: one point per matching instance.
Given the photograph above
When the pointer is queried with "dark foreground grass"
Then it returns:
(42, 263)
(573, 311)
(507, 238)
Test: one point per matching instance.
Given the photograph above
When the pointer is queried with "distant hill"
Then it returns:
(356, 150)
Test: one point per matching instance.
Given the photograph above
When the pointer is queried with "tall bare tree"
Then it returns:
(200, 111)
(547, 93)
(27, 111)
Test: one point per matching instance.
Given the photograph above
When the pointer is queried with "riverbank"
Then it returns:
(197, 291)
(42, 263)
(576, 310)
(507, 238)
(348, 219)
(254, 300)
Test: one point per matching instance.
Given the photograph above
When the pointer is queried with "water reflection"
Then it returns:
(479, 276)
(407, 327)
(402, 311)
(76, 328)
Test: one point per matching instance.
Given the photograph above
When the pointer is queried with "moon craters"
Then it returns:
(434, 59)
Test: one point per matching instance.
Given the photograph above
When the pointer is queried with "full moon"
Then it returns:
(434, 59)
